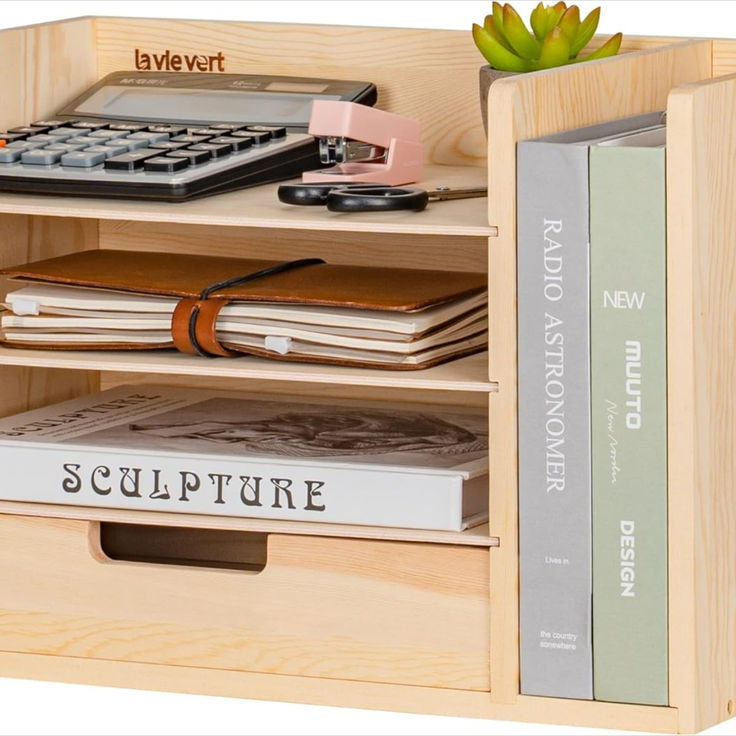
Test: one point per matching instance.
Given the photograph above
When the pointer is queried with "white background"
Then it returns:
(50, 708)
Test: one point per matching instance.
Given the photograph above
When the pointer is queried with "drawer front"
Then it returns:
(391, 612)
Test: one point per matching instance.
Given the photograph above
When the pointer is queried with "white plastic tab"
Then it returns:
(24, 306)
(278, 344)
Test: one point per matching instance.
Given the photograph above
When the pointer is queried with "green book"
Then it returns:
(629, 422)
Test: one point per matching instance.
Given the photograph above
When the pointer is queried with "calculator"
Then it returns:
(172, 135)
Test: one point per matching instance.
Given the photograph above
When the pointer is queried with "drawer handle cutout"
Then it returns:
(183, 546)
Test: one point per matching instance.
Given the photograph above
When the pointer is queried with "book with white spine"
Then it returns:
(160, 448)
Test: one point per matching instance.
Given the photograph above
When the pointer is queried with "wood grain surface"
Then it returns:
(260, 207)
(45, 67)
(411, 68)
(701, 275)
(442, 252)
(476, 536)
(351, 694)
(331, 608)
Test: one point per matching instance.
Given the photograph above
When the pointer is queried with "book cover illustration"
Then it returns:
(239, 427)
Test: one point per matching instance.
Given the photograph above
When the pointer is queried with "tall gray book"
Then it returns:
(554, 408)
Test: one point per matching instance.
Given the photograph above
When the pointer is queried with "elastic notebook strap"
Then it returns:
(194, 321)
(262, 274)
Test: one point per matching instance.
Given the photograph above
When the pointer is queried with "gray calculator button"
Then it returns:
(104, 134)
(45, 137)
(71, 145)
(25, 145)
(11, 155)
(82, 158)
(148, 137)
(85, 140)
(113, 148)
(132, 144)
(106, 150)
(65, 131)
(41, 157)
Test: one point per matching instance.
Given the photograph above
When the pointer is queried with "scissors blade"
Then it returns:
(442, 193)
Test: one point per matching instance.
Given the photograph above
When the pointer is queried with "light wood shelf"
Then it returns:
(259, 207)
(465, 374)
(469, 666)
(476, 536)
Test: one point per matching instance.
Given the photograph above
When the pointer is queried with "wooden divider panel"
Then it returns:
(701, 191)
(526, 106)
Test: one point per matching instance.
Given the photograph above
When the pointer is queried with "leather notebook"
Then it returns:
(305, 310)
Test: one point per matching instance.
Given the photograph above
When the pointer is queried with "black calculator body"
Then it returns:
(172, 135)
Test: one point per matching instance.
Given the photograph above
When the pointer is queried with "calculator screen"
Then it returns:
(199, 105)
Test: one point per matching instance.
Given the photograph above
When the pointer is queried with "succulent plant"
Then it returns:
(557, 37)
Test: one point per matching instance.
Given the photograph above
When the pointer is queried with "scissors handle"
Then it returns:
(377, 198)
(311, 195)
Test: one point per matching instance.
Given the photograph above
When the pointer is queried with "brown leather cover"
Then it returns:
(362, 287)
(185, 276)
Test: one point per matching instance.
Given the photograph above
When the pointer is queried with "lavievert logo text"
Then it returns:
(168, 62)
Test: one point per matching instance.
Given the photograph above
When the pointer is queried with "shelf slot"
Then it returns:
(476, 536)
(464, 374)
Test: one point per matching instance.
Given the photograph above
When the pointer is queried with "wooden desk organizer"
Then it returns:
(382, 618)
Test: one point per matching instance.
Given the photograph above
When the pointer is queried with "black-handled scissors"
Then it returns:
(342, 197)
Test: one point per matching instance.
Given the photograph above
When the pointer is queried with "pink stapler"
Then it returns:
(365, 144)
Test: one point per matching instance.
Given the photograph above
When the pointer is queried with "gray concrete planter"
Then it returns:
(488, 75)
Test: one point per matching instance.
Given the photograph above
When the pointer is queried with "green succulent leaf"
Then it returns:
(585, 32)
(555, 50)
(517, 34)
(498, 16)
(489, 26)
(570, 22)
(554, 13)
(538, 20)
(609, 48)
(556, 37)
(497, 55)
